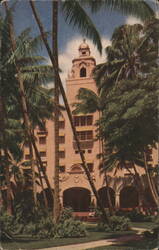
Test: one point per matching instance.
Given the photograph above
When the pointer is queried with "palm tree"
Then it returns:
(128, 58)
(130, 105)
(56, 71)
(57, 206)
(28, 73)
(132, 55)
(74, 12)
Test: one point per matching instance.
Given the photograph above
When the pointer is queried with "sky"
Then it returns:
(70, 38)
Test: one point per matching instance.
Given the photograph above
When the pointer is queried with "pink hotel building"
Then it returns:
(74, 187)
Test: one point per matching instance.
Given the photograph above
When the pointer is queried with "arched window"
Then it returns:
(83, 72)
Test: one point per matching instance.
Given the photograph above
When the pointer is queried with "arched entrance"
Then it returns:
(78, 198)
(48, 196)
(129, 197)
(103, 194)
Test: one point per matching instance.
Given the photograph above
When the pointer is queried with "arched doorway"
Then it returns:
(129, 197)
(103, 194)
(48, 196)
(78, 198)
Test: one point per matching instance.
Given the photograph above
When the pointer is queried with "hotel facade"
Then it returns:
(75, 190)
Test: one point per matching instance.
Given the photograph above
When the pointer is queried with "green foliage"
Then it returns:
(6, 221)
(71, 228)
(43, 228)
(117, 223)
(66, 214)
(136, 216)
(6, 226)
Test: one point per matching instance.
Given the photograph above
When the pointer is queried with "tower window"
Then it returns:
(42, 140)
(83, 72)
(61, 124)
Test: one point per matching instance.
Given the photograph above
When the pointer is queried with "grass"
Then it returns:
(28, 243)
(146, 225)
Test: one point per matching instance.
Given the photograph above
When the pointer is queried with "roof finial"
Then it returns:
(84, 40)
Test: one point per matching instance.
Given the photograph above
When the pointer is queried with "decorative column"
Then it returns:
(117, 201)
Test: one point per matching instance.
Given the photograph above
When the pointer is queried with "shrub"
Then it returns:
(44, 228)
(71, 228)
(117, 223)
(6, 226)
(66, 214)
(136, 216)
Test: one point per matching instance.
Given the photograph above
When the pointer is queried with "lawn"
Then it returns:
(146, 225)
(25, 242)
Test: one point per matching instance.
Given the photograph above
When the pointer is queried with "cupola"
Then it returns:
(84, 49)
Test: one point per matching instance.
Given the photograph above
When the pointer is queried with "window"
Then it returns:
(42, 140)
(83, 52)
(61, 139)
(61, 154)
(83, 72)
(62, 169)
(90, 167)
(85, 135)
(76, 152)
(42, 153)
(83, 120)
(89, 151)
(62, 124)
(44, 165)
(27, 157)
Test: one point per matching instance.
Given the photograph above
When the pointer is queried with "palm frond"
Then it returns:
(138, 8)
(77, 16)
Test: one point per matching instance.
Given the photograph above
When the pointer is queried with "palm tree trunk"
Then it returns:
(56, 208)
(6, 155)
(110, 206)
(42, 187)
(24, 104)
(150, 183)
(56, 72)
(33, 174)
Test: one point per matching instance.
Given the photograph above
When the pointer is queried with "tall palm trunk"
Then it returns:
(42, 187)
(24, 103)
(33, 173)
(56, 210)
(110, 206)
(6, 155)
(56, 72)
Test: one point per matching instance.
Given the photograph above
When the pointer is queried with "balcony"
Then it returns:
(84, 144)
